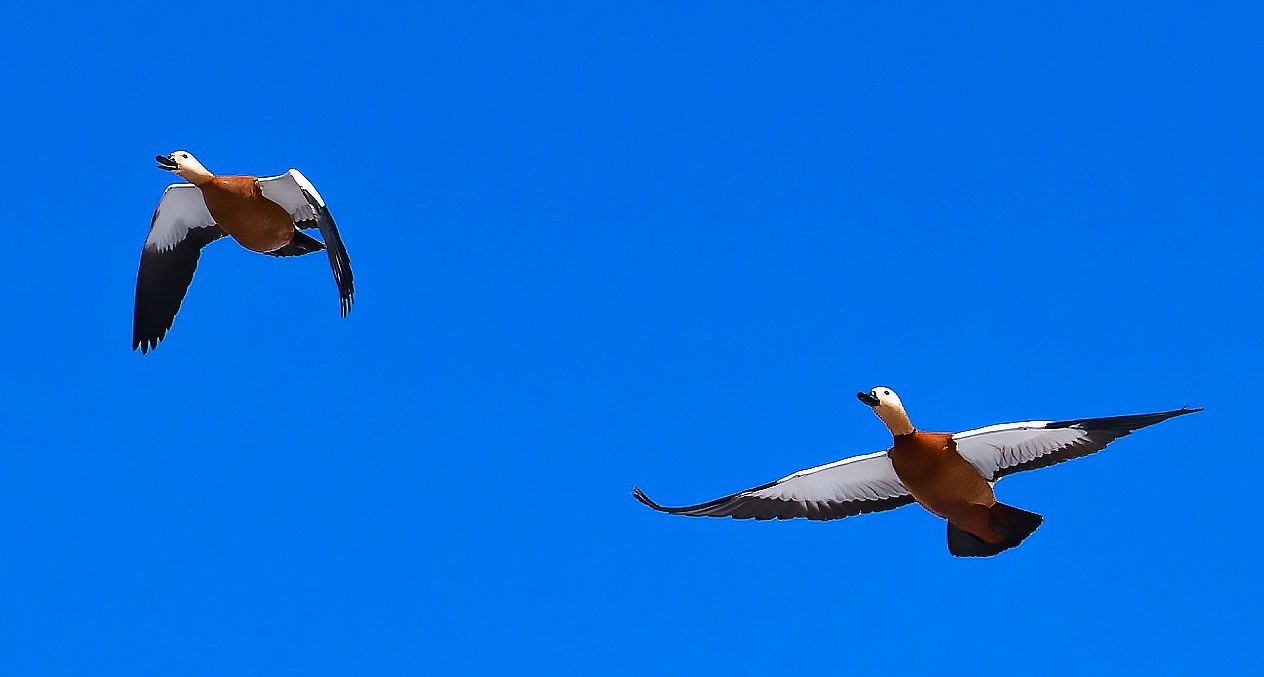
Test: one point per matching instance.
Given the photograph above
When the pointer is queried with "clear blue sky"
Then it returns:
(598, 245)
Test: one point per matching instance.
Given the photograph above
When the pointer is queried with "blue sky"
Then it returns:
(651, 243)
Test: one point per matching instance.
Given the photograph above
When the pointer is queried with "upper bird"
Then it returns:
(265, 215)
(950, 475)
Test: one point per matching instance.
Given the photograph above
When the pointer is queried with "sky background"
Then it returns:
(599, 245)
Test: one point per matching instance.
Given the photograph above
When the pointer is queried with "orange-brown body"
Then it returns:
(241, 210)
(945, 483)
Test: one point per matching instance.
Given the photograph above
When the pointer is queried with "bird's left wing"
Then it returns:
(180, 228)
(852, 486)
(1000, 450)
(299, 198)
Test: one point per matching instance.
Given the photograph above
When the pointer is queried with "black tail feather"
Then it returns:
(1014, 523)
(300, 245)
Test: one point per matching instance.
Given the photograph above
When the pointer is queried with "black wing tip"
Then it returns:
(146, 344)
(1160, 416)
(643, 498)
(700, 510)
(1125, 424)
(1172, 413)
(640, 496)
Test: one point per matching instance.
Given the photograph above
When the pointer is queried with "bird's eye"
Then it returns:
(886, 392)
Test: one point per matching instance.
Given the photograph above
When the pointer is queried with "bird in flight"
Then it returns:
(950, 475)
(266, 215)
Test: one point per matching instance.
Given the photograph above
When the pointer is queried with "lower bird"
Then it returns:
(950, 475)
(265, 215)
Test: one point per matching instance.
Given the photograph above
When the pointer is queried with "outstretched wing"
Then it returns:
(1000, 450)
(852, 486)
(298, 196)
(180, 228)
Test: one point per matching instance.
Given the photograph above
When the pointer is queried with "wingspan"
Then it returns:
(180, 228)
(852, 486)
(1000, 450)
(298, 196)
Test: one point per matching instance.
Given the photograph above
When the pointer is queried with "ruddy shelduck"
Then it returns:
(951, 476)
(265, 215)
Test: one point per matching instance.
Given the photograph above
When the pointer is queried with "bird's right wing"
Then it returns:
(180, 228)
(852, 486)
(1000, 450)
(299, 198)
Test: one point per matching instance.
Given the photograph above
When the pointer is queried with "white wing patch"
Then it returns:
(287, 191)
(836, 490)
(999, 447)
(867, 477)
(180, 210)
(306, 185)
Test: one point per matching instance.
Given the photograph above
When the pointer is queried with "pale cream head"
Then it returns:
(184, 165)
(886, 404)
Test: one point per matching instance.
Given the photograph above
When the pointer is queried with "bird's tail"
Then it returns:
(300, 245)
(1013, 523)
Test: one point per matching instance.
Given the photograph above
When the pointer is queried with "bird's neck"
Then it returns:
(195, 177)
(897, 421)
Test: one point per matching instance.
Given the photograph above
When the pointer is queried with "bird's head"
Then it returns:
(886, 404)
(184, 165)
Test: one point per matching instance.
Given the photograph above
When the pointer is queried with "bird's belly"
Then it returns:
(943, 487)
(257, 232)
(937, 501)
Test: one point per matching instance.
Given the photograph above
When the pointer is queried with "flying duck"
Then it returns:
(265, 215)
(951, 476)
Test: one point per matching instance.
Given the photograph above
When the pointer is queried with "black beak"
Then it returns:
(165, 162)
(868, 399)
